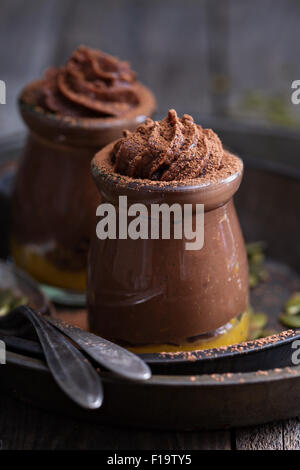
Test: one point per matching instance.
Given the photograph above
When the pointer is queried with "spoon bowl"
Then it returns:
(70, 369)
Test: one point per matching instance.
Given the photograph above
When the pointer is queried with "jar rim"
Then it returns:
(105, 173)
(138, 113)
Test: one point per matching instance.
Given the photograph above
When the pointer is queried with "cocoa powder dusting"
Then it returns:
(90, 84)
(172, 149)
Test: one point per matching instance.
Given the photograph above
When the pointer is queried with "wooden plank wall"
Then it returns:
(228, 58)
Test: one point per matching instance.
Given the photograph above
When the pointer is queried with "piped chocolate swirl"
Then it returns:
(167, 150)
(90, 84)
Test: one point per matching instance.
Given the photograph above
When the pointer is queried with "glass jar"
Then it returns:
(55, 199)
(154, 295)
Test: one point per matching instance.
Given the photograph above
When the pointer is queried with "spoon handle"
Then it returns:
(110, 355)
(72, 372)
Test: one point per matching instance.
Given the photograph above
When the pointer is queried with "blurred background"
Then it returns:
(228, 58)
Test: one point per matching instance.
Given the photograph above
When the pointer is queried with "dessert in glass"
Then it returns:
(154, 295)
(71, 112)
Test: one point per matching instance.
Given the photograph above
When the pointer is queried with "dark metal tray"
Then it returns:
(181, 394)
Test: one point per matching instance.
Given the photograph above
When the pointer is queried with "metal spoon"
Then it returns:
(72, 372)
(110, 355)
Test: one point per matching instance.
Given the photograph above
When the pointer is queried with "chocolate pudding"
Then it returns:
(154, 294)
(71, 112)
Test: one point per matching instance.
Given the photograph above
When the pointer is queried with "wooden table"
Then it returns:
(23, 427)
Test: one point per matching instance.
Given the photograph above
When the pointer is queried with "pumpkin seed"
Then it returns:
(258, 320)
(292, 321)
(292, 306)
(4, 309)
(8, 301)
(256, 258)
(255, 248)
(253, 280)
(254, 334)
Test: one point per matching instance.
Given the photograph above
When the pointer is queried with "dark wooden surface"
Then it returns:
(226, 58)
(24, 427)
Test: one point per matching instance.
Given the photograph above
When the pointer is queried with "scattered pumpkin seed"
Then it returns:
(292, 306)
(258, 321)
(8, 301)
(4, 309)
(254, 248)
(256, 258)
(292, 321)
(253, 280)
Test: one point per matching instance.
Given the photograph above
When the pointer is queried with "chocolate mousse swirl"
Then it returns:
(171, 149)
(91, 84)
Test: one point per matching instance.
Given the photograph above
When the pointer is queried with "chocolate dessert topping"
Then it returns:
(91, 84)
(166, 150)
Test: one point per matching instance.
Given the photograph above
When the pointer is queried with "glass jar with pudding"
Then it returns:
(70, 113)
(154, 295)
